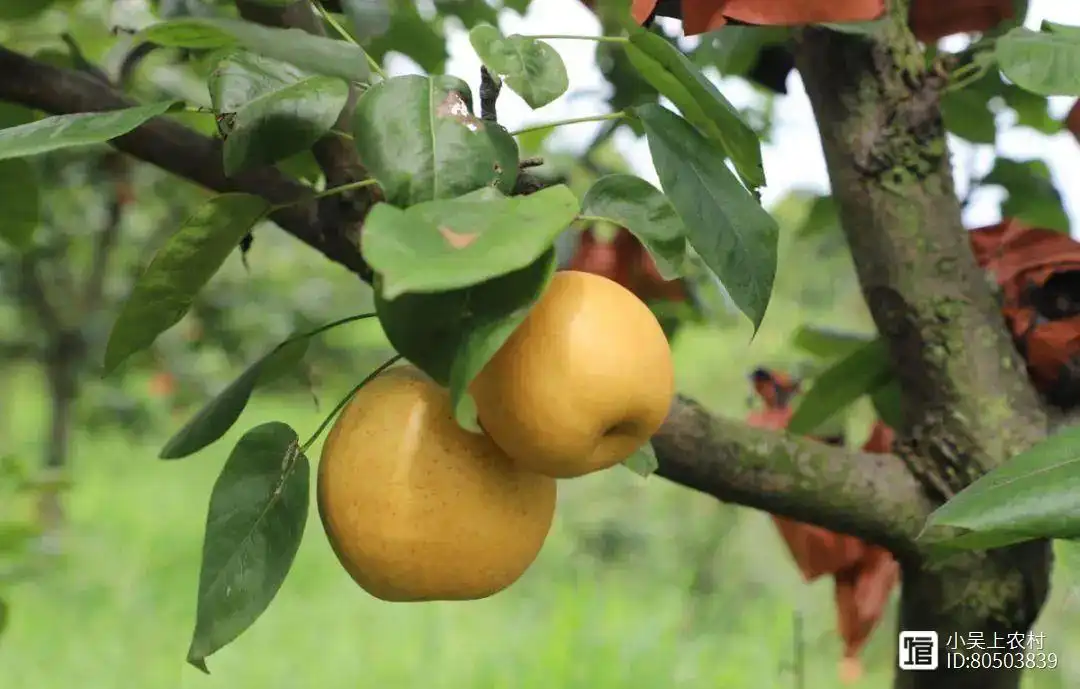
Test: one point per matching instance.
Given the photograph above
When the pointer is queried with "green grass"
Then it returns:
(642, 584)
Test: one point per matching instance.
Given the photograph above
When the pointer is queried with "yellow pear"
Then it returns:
(583, 382)
(418, 509)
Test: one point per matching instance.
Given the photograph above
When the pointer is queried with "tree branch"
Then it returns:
(177, 149)
(34, 298)
(872, 496)
(344, 213)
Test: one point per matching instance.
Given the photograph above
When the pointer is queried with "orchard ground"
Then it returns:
(642, 584)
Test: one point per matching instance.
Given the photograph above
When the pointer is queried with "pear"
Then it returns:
(582, 383)
(418, 509)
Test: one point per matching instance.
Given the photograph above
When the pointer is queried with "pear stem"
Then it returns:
(345, 400)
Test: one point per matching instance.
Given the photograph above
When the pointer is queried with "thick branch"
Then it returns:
(872, 496)
(967, 403)
(175, 148)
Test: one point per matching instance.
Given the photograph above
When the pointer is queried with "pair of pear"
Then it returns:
(417, 509)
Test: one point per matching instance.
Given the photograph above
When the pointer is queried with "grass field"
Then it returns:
(641, 585)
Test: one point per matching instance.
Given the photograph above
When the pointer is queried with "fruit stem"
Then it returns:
(332, 324)
(572, 37)
(345, 400)
(574, 120)
(344, 188)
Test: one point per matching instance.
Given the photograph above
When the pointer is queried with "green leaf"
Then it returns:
(633, 203)
(19, 180)
(673, 75)
(734, 49)
(1031, 109)
(220, 413)
(18, 10)
(492, 320)
(531, 68)
(284, 122)
(1032, 198)
(414, 36)
(827, 342)
(70, 131)
(258, 510)
(1044, 63)
(823, 217)
(242, 76)
(315, 53)
(451, 335)
(643, 462)
(887, 403)
(418, 138)
(859, 373)
(13, 115)
(1036, 494)
(966, 114)
(452, 243)
(179, 270)
(470, 12)
(368, 18)
(730, 230)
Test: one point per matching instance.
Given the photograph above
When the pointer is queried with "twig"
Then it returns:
(106, 239)
(490, 86)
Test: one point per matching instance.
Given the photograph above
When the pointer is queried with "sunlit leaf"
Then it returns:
(448, 244)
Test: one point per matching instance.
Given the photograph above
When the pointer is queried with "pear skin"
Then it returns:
(584, 381)
(418, 509)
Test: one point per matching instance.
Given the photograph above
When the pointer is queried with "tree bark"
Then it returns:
(65, 359)
(967, 405)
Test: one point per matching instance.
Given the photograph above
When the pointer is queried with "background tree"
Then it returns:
(285, 101)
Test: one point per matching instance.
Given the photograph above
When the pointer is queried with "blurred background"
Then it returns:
(642, 583)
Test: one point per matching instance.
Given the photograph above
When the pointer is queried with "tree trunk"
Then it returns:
(61, 370)
(967, 406)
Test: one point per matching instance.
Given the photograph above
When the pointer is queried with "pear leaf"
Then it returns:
(1044, 63)
(531, 68)
(735, 237)
(861, 372)
(419, 139)
(633, 203)
(179, 270)
(284, 122)
(298, 47)
(1036, 494)
(452, 335)
(258, 511)
(453, 243)
(241, 76)
(220, 413)
(73, 131)
(670, 72)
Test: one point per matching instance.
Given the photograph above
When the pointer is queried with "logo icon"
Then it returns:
(918, 651)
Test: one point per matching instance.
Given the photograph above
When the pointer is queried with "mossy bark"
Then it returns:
(967, 405)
